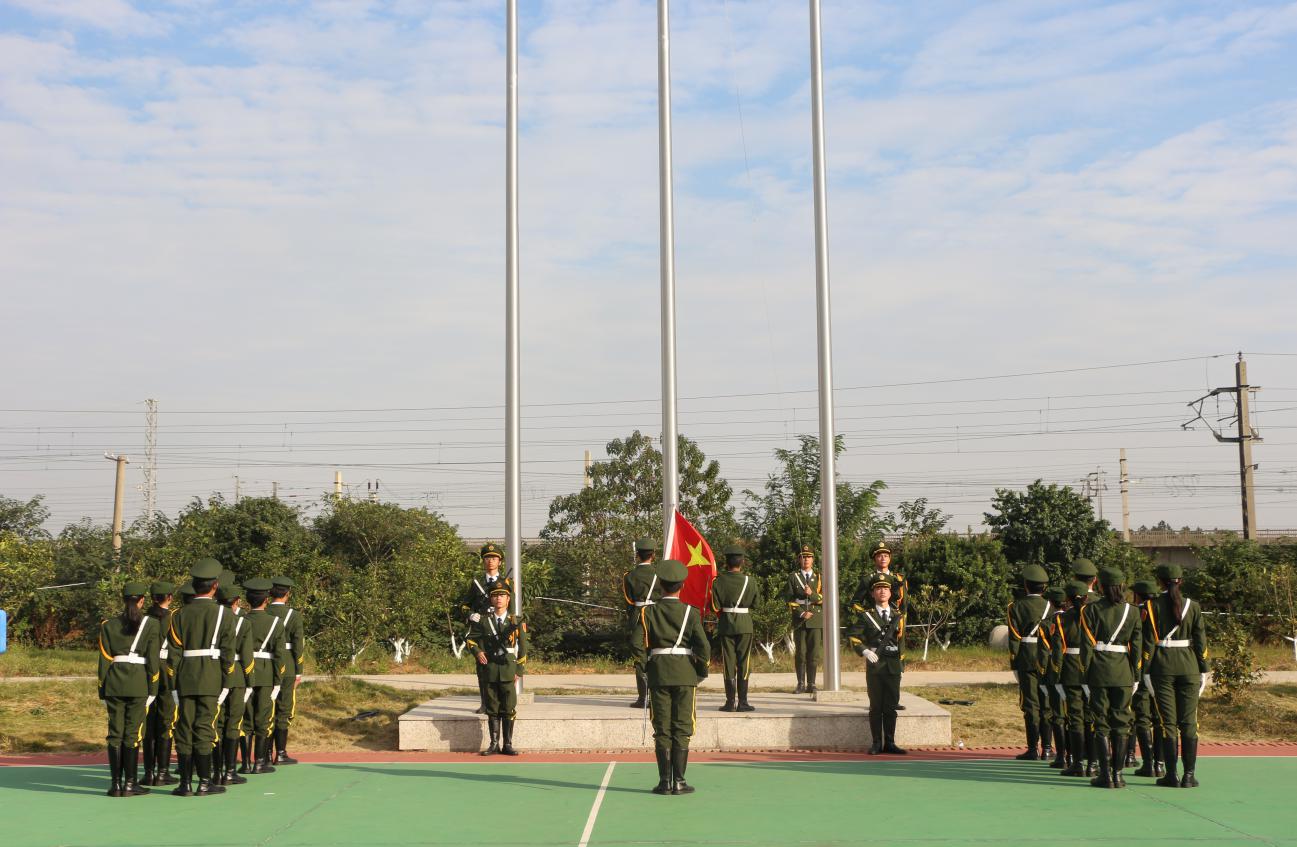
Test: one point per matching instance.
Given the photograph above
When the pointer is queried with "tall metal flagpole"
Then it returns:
(667, 260)
(824, 328)
(512, 439)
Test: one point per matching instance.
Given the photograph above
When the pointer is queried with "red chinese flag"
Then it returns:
(687, 545)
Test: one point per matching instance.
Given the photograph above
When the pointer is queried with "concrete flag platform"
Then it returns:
(603, 722)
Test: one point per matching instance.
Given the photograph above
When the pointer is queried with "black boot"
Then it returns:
(164, 776)
(205, 785)
(263, 756)
(729, 695)
(1090, 756)
(1103, 754)
(1119, 749)
(875, 730)
(481, 695)
(664, 770)
(680, 761)
(810, 679)
(131, 773)
(1189, 752)
(1130, 751)
(506, 725)
(245, 753)
(889, 735)
(801, 680)
(641, 691)
(149, 751)
(231, 763)
(281, 747)
(1144, 738)
(1158, 770)
(1076, 744)
(115, 771)
(744, 705)
(1169, 756)
(185, 767)
(1033, 733)
(493, 729)
(1060, 748)
(1046, 745)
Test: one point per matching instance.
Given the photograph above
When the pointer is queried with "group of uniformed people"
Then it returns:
(1091, 667)
(498, 639)
(211, 678)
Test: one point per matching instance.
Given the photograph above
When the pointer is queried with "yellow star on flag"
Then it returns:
(696, 556)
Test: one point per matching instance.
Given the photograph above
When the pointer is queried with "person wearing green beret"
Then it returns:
(269, 663)
(640, 588)
(476, 601)
(229, 718)
(1026, 616)
(1175, 662)
(201, 654)
(878, 634)
(1065, 644)
(162, 713)
(673, 646)
(806, 604)
(1051, 690)
(128, 675)
(499, 642)
(1110, 655)
(1148, 727)
(734, 595)
(295, 642)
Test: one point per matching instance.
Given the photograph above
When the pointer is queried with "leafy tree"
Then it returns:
(914, 518)
(975, 568)
(1049, 525)
(25, 565)
(24, 520)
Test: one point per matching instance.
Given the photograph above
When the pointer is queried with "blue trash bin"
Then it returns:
(4, 630)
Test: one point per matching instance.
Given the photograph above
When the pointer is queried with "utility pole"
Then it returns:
(237, 491)
(1247, 435)
(337, 485)
(119, 496)
(274, 491)
(1125, 498)
(589, 464)
(150, 457)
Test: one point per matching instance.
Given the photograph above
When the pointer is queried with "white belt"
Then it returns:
(891, 648)
(130, 659)
(805, 601)
(202, 654)
(643, 603)
(162, 652)
(1030, 639)
(671, 651)
(512, 651)
(288, 645)
(1173, 642)
(1072, 651)
(736, 610)
(263, 654)
(1105, 647)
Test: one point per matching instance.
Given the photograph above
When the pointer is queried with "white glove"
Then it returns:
(870, 656)
(475, 617)
(1134, 688)
(1202, 686)
(175, 697)
(1059, 688)
(1148, 682)
(1044, 689)
(148, 701)
(1085, 689)
(274, 692)
(220, 699)
(247, 695)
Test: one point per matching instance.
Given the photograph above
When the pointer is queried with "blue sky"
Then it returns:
(253, 207)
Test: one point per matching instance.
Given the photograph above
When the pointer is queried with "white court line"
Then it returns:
(598, 801)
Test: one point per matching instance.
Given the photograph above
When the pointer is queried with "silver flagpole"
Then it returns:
(512, 439)
(824, 329)
(667, 260)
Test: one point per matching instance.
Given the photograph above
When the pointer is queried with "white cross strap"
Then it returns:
(216, 630)
(1171, 632)
(266, 642)
(647, 601)
(1038, 623)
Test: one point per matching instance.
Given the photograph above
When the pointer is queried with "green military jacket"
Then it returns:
(1027, 617)
(477, 596)
(238, 677)
(503, 642)
(195, 631)
(641, 588)
(1110, 643)
(294, 635)
(268, 660)
(128, 664)
(862, 600)
(1065, 648)
(800, 601)
(886, 637)
(734, 595)
(672, 643)
(162, 619)
(1171, 649)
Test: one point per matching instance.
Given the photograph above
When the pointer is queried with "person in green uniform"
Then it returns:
(1026, 616)
(1110, 655)
(882, 559)
(1148, 728)
(229, 721)
(641, 588)
(128, 683)
(162, 712)
(295, 642)
(269, 663)
(499, 641)
(673, 646)
(806, 604)
(878, 634)
(1085, 572)
(1175, 657)
(477, 600)
(201, 654)
(734, 594)
(1065, 644)
(1051, 691)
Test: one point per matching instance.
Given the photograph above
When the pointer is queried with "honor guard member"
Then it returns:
(128, 683)
(673, 645)
(1026, 617)
(229, 719)
(186, 592)
(295, 643)
(1148, 729)
(162, 712)
(1083, 570)
(877, 634)
(270, 662)
(499, 641)
(1175, 657)
(1110, 654)
(806, 604)
(477, 600)
(641, 588)
(1051, 691)
(1065, 644)
(882, 558)
(734, 595)
(201, 652)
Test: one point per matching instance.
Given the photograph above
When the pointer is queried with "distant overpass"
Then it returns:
(1177, 547)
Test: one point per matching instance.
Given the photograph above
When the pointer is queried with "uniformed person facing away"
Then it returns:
(1065, 644)
(1110, 654)
(882, 558)
(1052, 690)
(1083, 570)
(229, 720)
(128, 683)
(641, 588)
(1175, 656)
(806, 604)
(477, 599)
(734, 595)
(162, 713)
(295, 643)
(877, 634)
(186, 592)
(1148, 728)
(201, 653)
(1026, 617)
(270, 663)
(499, 641)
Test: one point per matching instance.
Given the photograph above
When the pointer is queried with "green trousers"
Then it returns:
(808, 648)
(1076, 712)
(1111, 706)
(1057, 705)
(286, 705)
(196, 725)
(501, 699)
(161, 717)
(736, 655)
(229, 723)
(673, 712)
(1145, 713)
(1175, 699)
(125, 721)
(1029, 699)
(261, 713)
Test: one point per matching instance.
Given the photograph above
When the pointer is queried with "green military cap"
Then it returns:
(490, 548)
(880, 579)
(162, 587)
(233, 591)
(206, 569)
(1111, 576)
(1146, 587)
(805, 550)
(645, 545)
(1077, 589)
(1170, 572)
(1084, 568)
(258, 583)
(501, 587)
(228, 576)
(135, 589)
(734, 551)
(880, 547)
(187, 589)
(671, 570)
(282, 582)
(1034, 573)
(1055, 595)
